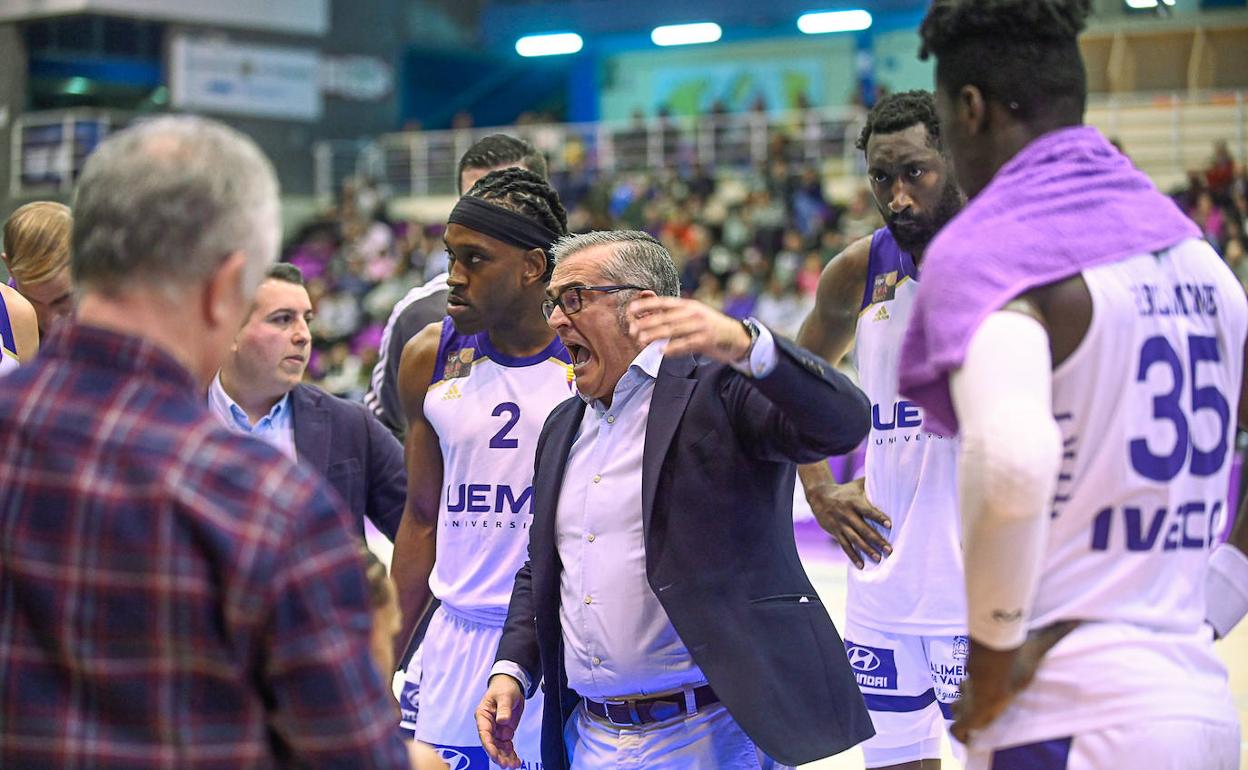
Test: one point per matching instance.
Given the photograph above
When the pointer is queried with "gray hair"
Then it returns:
(636, 258)
(164, 201)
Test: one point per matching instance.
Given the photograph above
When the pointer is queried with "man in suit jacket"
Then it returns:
(259, 391)
(663, 603)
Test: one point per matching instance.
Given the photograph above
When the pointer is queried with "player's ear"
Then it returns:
(535, 265)
(971, 109)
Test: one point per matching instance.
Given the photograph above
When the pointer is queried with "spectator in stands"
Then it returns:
(174, 594)
(1221, 172)
(1235, 256)
(36, 253)
(1208, 217)
(861, 219)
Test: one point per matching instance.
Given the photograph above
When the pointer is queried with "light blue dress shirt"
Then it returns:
(617, 637)
(276, 428)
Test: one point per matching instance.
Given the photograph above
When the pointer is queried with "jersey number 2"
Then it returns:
(1169, 407)
(500, 440)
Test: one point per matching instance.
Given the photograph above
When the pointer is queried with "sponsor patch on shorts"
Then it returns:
(873, 667)
(409, 702)
(473, 758)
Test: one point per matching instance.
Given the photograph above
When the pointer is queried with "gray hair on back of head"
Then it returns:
(164, 201)
(637, 259)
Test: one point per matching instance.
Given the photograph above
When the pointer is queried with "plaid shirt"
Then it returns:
(172, 595)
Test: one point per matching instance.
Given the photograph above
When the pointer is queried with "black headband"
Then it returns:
(503, 224)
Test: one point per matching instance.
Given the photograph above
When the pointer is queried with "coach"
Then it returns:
(675, 626)
(259, 392)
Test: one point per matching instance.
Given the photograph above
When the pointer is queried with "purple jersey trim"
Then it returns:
(886, 257)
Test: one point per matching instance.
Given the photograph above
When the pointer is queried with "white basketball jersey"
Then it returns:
(8, 341)
(1146, 406)
(488, 410)
(911, 472)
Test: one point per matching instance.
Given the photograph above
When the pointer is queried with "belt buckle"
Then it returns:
(632, 712)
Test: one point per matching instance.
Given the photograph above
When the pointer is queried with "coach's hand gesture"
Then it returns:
(689, 327)
(845, 513)
(498, 717)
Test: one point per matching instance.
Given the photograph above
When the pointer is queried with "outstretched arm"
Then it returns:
(789, 405)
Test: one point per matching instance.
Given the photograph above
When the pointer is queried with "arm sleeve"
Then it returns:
(802, 411)
(762, 360)
(515, 671)
(386, 480)
(1007, 470)
(328, 704)
(1226, 589)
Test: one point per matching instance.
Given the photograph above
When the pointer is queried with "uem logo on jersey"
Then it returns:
(488, 498)
(873, 666)
(904, 415)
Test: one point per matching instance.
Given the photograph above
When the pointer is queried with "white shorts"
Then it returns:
(1163, 744)
(910, 684)
(448, 675)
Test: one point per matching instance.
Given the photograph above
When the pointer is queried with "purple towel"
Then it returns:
(1067, 202)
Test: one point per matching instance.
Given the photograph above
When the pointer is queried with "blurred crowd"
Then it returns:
(1216, 198)
(751, 243)
(754, 244)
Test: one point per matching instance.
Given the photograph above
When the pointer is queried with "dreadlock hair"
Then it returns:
(502, 150)
(1019, 53)
(527, 194)
(897, 112)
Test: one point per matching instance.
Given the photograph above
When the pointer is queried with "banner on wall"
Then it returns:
(693, 90)
(262, 81)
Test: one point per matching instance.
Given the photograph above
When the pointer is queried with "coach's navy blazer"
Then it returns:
(359, 458)
(717, 507)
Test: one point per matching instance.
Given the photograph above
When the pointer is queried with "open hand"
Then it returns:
(689, 326)
(845, 513)
(498, 717)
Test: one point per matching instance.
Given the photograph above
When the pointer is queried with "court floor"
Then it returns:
(826, 564)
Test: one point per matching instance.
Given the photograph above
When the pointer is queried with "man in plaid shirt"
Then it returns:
(172, 595)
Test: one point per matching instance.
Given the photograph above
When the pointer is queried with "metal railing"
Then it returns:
(425, 162)
(1167, 135)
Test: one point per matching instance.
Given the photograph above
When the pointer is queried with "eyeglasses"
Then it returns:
(571, 301)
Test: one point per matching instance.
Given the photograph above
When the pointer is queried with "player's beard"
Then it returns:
(914, 233)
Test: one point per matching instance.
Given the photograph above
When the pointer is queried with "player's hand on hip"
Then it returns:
(689, 326)
(498, 717)
(845, 513)
(995, 677)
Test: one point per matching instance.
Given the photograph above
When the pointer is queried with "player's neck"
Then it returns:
(527, 336)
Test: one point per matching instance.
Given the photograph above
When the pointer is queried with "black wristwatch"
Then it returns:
(751, 327)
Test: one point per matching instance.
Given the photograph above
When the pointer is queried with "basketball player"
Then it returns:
(477, 388)
(1088, 347)
(426, 304)
(905, 613)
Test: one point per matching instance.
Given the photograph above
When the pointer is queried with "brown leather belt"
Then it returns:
(643, 711)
